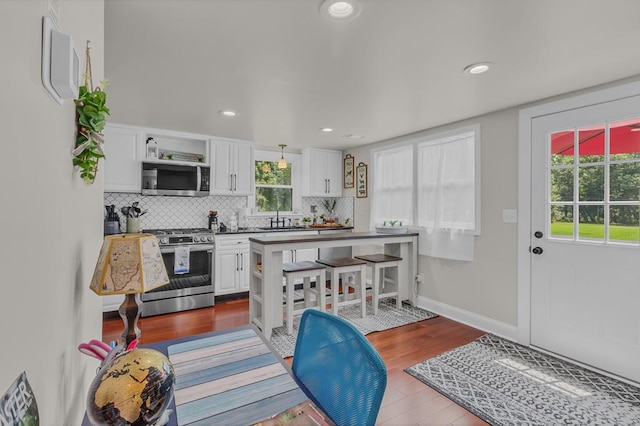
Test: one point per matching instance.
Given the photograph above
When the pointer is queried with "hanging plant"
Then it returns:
(91, 114)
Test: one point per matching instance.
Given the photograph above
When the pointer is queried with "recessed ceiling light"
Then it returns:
(477, 68)
(327, 129)
(227, 113)
(340, 10)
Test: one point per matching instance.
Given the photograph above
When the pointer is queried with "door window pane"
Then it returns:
(562, 148)
(624, 223)
(591, 144)
(591, 222)
(562, 184)
(591, 183)
(562, 221)
(625, 140)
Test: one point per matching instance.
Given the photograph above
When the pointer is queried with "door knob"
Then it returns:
(538, 234)
(537, 250)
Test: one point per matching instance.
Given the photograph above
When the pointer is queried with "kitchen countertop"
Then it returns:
(279, 230)
(336, 238)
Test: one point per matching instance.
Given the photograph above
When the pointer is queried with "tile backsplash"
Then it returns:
(165, 212)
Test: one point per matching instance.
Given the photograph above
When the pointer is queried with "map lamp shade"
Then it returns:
(129, 264)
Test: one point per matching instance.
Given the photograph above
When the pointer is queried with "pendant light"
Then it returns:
(282, 164)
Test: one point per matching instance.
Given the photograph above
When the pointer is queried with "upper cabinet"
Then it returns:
(123, 153)
(126, 147)
(164, 146)
(232, 167)
(323, 172)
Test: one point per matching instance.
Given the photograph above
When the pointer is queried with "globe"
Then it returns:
(131, 388)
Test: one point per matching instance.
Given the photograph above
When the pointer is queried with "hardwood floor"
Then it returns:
(407, 401)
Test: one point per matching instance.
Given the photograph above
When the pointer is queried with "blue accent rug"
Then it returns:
(505, 383)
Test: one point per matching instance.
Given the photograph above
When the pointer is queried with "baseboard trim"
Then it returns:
(471, 319)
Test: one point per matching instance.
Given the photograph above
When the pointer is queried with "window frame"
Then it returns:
(446, 137)
(433, 139)
(295, 161)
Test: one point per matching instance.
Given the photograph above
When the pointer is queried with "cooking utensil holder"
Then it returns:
(133, 225)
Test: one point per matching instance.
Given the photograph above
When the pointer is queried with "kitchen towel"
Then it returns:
(181, 260)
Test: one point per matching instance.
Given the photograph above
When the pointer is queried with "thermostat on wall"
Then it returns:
(60, 63)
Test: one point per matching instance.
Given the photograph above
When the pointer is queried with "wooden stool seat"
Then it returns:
(303, 270)
(340, 266)
(379, 263)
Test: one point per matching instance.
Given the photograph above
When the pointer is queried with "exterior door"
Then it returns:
(585, 235)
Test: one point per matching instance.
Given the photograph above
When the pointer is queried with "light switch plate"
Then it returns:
(510, 216)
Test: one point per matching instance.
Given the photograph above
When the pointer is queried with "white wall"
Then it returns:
(487, 286)
(51, 221)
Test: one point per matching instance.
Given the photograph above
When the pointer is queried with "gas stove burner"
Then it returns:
(182, 236)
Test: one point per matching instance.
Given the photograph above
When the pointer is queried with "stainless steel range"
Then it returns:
(187, 255)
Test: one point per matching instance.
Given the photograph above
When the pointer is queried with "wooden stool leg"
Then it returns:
(306, 285)
(322, 290)
(290, 285)
(363, 289)
(375, 281)
(335, 288)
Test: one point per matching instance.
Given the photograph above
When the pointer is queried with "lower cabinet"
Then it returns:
(231, 264)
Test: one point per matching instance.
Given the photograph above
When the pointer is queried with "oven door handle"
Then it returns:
(192, 247)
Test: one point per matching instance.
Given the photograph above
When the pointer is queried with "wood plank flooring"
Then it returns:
(407, 401)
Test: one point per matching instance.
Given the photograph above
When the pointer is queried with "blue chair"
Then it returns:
(339, 369)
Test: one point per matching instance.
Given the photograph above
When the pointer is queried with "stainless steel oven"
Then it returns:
(187, 289)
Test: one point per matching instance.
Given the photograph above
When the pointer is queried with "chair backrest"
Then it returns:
(339, 369)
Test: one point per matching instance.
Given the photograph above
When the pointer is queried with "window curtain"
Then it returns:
(446, 197)
(392, 189)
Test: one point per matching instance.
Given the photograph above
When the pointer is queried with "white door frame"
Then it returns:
(524, 186)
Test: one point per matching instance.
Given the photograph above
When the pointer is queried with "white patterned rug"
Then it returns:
(388, 317)
(505, 383)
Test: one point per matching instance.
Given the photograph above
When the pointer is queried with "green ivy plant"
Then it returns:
(91, 114)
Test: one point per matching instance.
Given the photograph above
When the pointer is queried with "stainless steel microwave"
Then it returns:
(174, 179)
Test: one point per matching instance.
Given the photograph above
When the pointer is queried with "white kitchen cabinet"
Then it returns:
(323, 170)
(232, 172)
(231, 264)
(123, 149)
(300, 255)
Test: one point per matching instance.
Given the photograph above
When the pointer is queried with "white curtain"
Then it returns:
(446, 197)
(392, 190)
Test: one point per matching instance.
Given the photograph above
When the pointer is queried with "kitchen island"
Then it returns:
(265, 291)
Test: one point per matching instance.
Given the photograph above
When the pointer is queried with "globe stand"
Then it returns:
(130, 311)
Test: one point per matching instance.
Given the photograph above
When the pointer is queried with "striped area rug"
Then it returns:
(231, 378)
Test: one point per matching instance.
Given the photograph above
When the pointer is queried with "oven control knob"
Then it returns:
(210, 238)
(196, 239)
(164, 240)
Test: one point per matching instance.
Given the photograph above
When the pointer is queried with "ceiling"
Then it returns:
(395, 70)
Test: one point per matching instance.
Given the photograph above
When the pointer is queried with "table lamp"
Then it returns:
(129, 264)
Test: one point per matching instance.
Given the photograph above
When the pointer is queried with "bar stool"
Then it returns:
(379, 263)
(340, 266)
(305, 271)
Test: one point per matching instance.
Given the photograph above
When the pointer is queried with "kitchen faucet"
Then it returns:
(278, 220)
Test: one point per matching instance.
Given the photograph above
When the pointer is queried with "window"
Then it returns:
(275, 189)
(442, 198)
(392, 190)
(448, 182)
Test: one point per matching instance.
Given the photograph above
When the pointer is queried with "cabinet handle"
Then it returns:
(231, 182)
(237, 262)
(242, 261)
(329, 188)
(235, 182)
